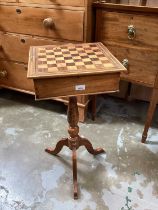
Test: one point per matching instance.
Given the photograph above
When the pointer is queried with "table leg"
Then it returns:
(74, 141)
(74, 161)
(151, 110)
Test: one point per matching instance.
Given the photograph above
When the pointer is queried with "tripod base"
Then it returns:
(74, 144)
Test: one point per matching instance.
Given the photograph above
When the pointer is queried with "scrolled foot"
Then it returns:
(89, 147)
(58, 148)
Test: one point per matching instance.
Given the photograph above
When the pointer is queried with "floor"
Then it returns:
(125, 178)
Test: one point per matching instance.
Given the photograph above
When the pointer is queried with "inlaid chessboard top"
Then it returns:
(71, 59)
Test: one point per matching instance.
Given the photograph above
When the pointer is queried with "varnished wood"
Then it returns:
(68, 24)
(16, 79)
(72, 24)
(74, 141)
(112, 21)
(54, 81)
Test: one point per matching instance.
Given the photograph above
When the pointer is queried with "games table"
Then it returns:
(71, 70)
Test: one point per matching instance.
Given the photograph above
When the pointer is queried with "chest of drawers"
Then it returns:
(130, 30)
(31, 23)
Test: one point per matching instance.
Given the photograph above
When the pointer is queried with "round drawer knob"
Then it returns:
(125, 63)
(3, 74)
(18, 11)
(48, 23)
(131, 32)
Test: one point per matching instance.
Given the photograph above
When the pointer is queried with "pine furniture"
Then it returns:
(25, 23)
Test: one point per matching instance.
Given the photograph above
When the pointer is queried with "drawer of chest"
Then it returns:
(16, 47)
(14, 75)
(142, 65)
(131, 29)
(58, 2)
(54, 23)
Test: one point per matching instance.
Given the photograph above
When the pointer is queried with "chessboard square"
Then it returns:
(59, 59)
(108, 65)
(66, 56)
(89, 51)
(65, 52)
(69, 61)
(59, 65)
(76, 58)
(71, 67)
(58, 56)
(81, 67)
(90, 67)
(93, 56)
(43, 66)
(86, 60)
(51, 56)
(88, 63)
(99, 66)
(52, 65)
(52, 69)
(70, 64)
(73, 52)
(51, 62)
(97, 62)
(62, 68)
(94, 59)
(79, 63)
(83, 54)
(42, 59)
(57, 53)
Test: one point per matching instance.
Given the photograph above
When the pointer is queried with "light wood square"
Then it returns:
(69, 61)
(79, 63)
(52, 69)
(71, 67)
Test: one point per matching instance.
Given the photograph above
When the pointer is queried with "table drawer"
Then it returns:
(64, 86)
(142, 64)
(16, 47)
(58, 2)
(54, 23)
(142, 31)
(15, 76)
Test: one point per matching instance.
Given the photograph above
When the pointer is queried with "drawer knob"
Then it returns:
(18, 11)
(125, 63)
(131, 32)
(48, 23)
(3, 74)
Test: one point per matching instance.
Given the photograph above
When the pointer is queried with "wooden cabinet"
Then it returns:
(32, 23)
(130, 30)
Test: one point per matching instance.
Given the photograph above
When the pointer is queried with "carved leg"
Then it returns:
(58, 148)
(151, 110)
(85, 142)
(74, 161)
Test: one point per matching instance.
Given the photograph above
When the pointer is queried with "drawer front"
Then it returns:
(142, 64)
(58, 2)
(54, 23)
(16, 47)
(15, 76)
(60, 86)
(128, 29)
